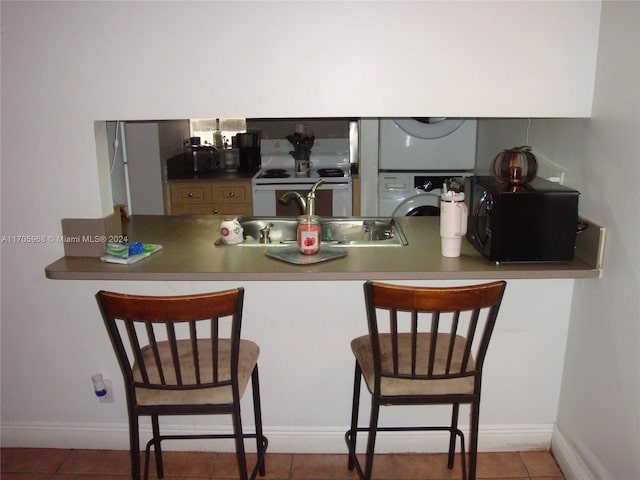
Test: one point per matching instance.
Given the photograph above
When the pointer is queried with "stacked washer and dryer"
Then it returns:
(417, 156)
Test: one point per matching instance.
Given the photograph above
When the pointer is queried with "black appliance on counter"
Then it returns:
(249, 145)
(536, 222)
(204, 158)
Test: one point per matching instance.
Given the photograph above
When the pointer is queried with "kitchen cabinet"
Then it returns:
(232, 198)
(191, 198)
(211, 198)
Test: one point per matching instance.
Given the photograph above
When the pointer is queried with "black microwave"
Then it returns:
(536, 222)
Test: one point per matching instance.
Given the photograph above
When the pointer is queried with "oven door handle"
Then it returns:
(300, 186)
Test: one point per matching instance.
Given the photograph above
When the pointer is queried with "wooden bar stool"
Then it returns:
(425, 346)
(183, 355)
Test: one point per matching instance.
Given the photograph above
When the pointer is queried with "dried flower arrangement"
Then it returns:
(302, 141)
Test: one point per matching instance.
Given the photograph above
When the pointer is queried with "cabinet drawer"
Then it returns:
(191, 194)
(239, 192)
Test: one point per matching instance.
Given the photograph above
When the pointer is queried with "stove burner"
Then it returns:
(275, 173)
(330, 172)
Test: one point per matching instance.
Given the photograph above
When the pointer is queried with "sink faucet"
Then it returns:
(286, 198)
(308, 204)
(311, 198)
(264, 234)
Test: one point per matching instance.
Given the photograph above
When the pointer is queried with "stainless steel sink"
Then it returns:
(369, 231)
(347, 231)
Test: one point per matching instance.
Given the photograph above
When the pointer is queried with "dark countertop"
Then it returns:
(214, 176)
(189, 253)
(180, 169)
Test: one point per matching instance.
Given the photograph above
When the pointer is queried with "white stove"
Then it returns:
(330, 160)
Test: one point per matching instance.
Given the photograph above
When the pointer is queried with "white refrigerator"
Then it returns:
(139, 152)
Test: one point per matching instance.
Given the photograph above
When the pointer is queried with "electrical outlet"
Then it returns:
(108, 398)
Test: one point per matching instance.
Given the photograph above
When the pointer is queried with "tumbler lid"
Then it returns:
(452, 196)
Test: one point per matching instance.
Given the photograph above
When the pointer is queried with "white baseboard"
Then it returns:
(493, 438)
(570, 461)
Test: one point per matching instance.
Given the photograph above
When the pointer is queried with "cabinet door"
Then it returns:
(192, 210)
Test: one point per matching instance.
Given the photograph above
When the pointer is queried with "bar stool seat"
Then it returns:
(393, 386)
(248, 358)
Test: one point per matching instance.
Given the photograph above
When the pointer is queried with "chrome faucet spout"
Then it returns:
(308, 204)
(286, 198)
(311, 198)
(264, 233)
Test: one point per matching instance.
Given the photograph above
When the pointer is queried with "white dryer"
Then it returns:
(427, 144)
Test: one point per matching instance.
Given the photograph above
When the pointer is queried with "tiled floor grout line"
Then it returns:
(64, 460)
(525, 465)
(291, 459)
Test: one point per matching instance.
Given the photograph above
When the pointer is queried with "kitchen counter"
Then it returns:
(189, 254)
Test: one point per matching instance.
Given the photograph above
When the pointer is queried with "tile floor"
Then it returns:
(64, 464)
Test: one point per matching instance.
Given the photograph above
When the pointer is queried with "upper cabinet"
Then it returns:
(166, 60)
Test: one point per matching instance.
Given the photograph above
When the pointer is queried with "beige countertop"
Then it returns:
(189, 253)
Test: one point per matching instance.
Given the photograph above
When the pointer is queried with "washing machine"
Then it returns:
(410, 194)
(417, 156)
(427, 144)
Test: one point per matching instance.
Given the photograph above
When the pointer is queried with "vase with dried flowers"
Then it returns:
(302, 141)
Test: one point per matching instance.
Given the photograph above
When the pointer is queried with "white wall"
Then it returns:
(306, 369)
(599, 414)
(66, 65)
(599, 418)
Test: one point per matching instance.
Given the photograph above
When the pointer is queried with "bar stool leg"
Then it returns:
(257, 414)
(157, 449)
(452, 438)
(240, 454)
(354, 415)
(473, 439)
(134, 446)
(371, 442)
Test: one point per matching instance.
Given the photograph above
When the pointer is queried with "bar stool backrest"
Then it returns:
(174, 343)
(432, 333)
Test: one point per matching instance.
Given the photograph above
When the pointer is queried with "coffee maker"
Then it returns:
(249, 146)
